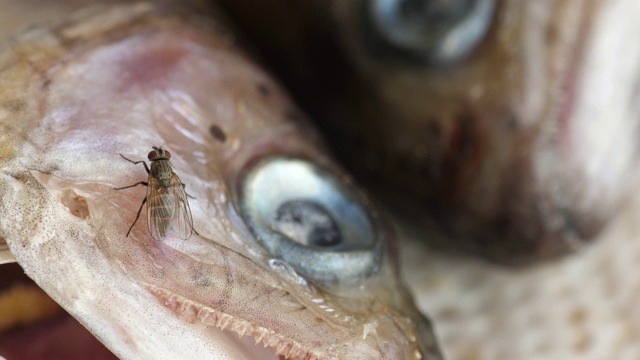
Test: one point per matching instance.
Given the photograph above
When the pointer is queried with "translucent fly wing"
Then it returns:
(168, 209)
(158, 212)
(183, 220)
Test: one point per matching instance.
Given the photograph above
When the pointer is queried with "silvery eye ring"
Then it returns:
(305, 215)
(438, 32)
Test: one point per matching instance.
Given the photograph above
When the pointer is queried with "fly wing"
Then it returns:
(168, 209)
(182, 220)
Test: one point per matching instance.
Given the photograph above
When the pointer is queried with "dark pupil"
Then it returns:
(437, 14)
(308, 223)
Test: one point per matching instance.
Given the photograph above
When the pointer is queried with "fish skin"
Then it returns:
(117, 79)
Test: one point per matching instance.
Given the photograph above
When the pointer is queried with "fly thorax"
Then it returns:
(161, 169)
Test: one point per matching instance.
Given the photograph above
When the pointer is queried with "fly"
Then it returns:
(168, 207)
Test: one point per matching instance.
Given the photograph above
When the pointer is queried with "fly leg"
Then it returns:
(185, 191)
(143, 201)
(137, 216)
(137, 162)
(130, 186)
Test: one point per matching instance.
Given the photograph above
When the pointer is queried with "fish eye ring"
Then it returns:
(306, 216)
(431, 32)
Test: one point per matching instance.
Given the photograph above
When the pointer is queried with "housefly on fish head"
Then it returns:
(167, 204)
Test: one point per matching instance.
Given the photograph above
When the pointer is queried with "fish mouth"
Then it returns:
(218, 323)
(50, 328)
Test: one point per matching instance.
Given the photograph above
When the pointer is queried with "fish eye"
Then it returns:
(435, 32)
(308, 217)
(152, 155)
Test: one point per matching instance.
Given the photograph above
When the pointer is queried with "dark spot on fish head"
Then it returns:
(46, 82)
(264, 90)
(218, 133)
(14, 105)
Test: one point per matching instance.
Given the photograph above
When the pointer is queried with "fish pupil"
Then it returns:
(307, 223)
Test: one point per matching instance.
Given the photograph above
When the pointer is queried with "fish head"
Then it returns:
(285, 250)
(501, 125)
